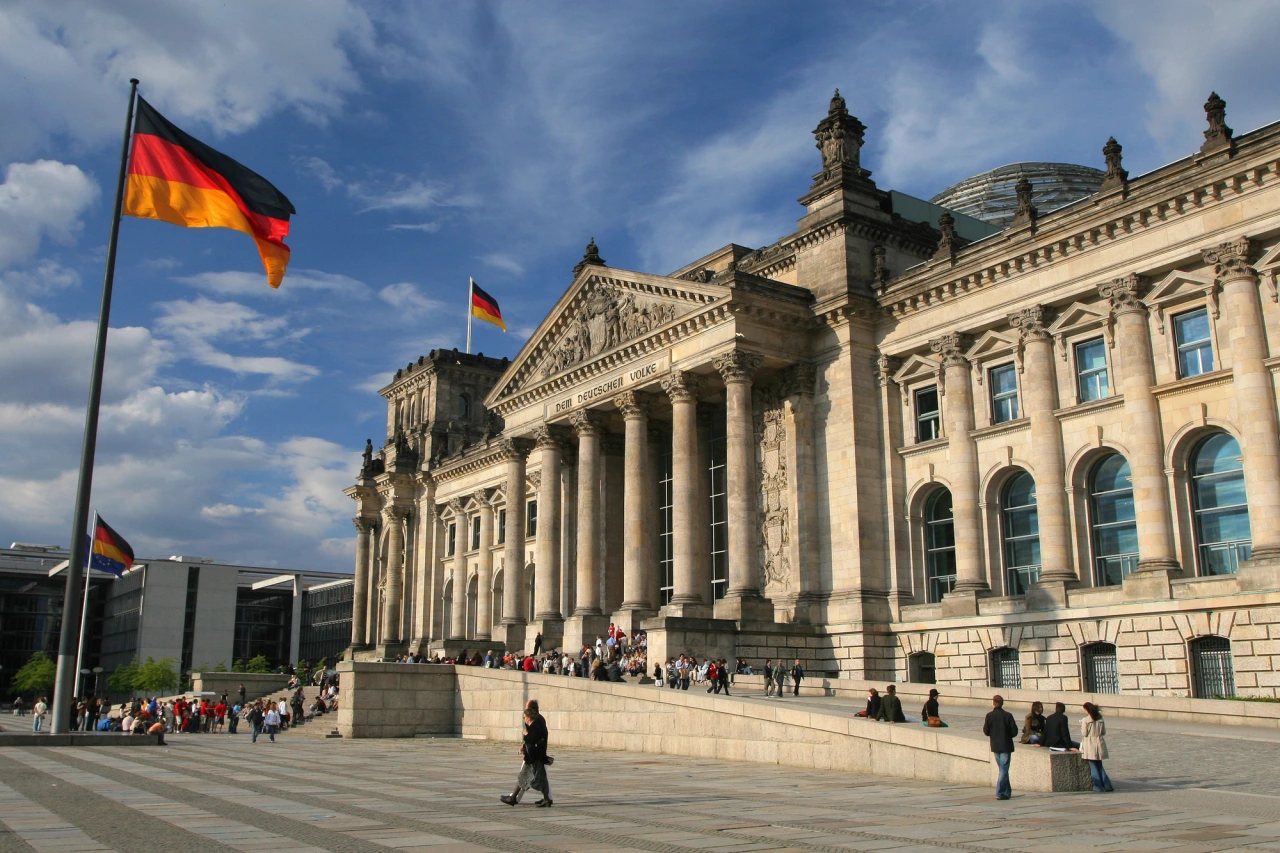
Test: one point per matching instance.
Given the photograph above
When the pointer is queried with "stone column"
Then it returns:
(1040, 394)
(1144, 439)
(458, 612)
(360, 602)
(962, 470)
(587, 589)
(1255, 401)
(687, 597)
(743, 600)
(515, 451)
(484, 568)
(659, 441)
(393, 517)
(547, 559)
(424, 559)
(637, 531)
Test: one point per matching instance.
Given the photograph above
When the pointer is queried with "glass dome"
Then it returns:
(992, 196)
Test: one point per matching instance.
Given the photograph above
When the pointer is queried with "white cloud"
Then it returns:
(504, 262)
(194, 325)
(239, 283)
(425, 227)
(319, 169)
(408, 299)
(42, 278)
(65, 64)
(39, 200)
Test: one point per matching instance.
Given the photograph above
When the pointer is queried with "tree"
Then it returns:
(38, 673)
(121, 679)
(156, 677)
(239, 665)
(221, 666)
(259, 664)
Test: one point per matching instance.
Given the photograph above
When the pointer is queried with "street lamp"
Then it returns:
(80, 683)
(97, 681)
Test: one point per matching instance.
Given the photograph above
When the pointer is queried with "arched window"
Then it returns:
(1006, 669)
(1020, 527)
(1217, 496)
(1212, 672)
(939, 546)
(1115, 531)
(1099, 667)
(464, 407)
(921, 668)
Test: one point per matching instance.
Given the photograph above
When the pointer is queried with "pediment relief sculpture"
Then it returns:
(604, 318)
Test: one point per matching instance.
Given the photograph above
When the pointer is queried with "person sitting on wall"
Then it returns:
(872, 710)
(1057, 730)
(891, 707)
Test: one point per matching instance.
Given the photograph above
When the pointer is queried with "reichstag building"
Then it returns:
(1022, 435)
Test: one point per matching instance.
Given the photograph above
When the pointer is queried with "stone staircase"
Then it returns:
(319, 727)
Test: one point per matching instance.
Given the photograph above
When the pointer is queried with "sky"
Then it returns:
(423, 143)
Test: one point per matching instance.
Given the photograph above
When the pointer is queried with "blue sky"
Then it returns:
(422, 143)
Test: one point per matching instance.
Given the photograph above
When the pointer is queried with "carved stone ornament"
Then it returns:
(701, 274)
(1218, 136)
(587, 422)
(1032, 322)
(951, 348)
(799, 378)
(886, 366)
(514, 448)
(839, 138)
(590, 257)
(1123, 293)
(1026, 212)
(394, 514)
(737, 366)
(364, 525)
(947, 245)
(606, 317)
(546, 437)
(879, 270)
(533, 481)
(682, 386)
(459, 509)
(771, 458)
(633, 404)
(1231, 260)
(1116, 176)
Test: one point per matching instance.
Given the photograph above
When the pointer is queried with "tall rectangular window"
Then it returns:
(666, 526)
(1004, 394)
(189, 622)
(502, 526)
(1091, 370)
(928, 416)
(475, 533)
(531, 518)
(453, 538)
(719, 510)
(1195, 350)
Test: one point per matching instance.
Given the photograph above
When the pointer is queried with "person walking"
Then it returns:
(1093, 747)
(533, 749)
(1001, 729)
(37, 714)
(255, 721)
(271, 720)
(1057, 730)
(18, 709)
(722, 682)
(797, 673)
(891, 706)
(779, 679)
(768, 679)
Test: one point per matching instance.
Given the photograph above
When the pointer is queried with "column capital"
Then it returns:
(682, 386)
(587, 422)
(550, 437)
(737, 365)
(886, 366)
(1032, 322)
(364, 524)
(633, 404)
(459, 510)
(394, 513)
(1123, 293)
(515, 449)
(483, 497)
(1230, 260)
(951, 347)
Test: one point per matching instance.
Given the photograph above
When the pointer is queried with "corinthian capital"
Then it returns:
(1032, 322)
(737, 366)
(1122, 293)
(363, 524)
(514, 448)
(549, 437)
(682, 386)
(886, 366)
(633, 404)
(394, 514)
(587, 422)
(1230, 260)
(951, 348)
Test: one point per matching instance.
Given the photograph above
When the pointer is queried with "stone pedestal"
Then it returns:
(960, 602)
(513, 635)
(552, 631)
(582, 630)
(744, 608)
(1048, 595)
(1260, 574)
(630, 620)
(1149, 584)
(672, 636)
(687, 610)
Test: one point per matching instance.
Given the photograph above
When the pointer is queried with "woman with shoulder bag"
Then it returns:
(929, 713)
(1093, 747)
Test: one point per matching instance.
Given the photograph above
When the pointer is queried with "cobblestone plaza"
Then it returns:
(1214, 792)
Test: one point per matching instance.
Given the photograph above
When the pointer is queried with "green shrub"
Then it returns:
(259, 664)
(38, 673)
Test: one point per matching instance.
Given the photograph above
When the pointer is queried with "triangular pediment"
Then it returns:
(603, 310)
(1078, 316)
(1270, 259)
(915, 368)
(991, 343)
(1177, 286)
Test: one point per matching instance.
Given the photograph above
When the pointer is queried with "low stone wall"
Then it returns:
(402, 700)
(256, 684)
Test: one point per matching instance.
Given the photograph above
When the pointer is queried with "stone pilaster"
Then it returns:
(587, 619)
(971, 580)
(424, 557)
(1255, 403)
(637, 531)
(687, 598)
(360, 593)
(484, 567)
(1144, 438)
(1040, 396)
(393, 517)
(515, 450)
(546, 606)
(744, 600)
(458, 609)
(897, 530)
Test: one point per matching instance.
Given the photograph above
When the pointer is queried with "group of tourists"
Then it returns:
(680, 672)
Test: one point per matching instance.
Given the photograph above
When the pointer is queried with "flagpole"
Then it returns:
(471, 284)
(64, 683)
(84, 606)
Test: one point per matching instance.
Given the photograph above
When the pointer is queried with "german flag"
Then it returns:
(108, 551)
(177, 178)
(485, 307)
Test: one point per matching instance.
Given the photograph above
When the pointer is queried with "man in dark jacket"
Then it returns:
(1001, 728)
(797, 673)
(533, 772)
(891, 706)
(1057, 729)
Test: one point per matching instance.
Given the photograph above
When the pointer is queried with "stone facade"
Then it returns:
(1049, 458)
